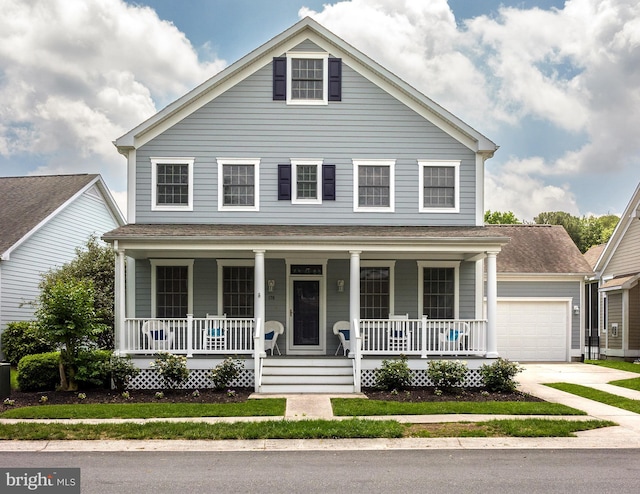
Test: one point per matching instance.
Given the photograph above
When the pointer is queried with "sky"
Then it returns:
(556, 84)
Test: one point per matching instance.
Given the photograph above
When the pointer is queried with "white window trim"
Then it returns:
(456, 280)
(171, 262)
(392, 186)
(229, 262)
(392, 278)
(154, 182)
(325, 75)
(455, 164)
(294, 181)
(256, 190)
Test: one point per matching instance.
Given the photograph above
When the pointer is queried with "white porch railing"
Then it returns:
(423, 337)
(190, 336)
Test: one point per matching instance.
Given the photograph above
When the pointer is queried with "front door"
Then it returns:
(306, 315)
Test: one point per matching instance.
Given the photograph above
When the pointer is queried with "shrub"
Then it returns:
(225, 372)
(447, 374)
(499, 376)
(39, 372)
(172, 369)
(92, 369)
(394, 374)
(23, 338)
(121, 370)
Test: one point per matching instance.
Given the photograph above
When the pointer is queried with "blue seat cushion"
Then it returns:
(158, 334)
(215, 333)
(269, 336)
(453, 335)
(346, 333)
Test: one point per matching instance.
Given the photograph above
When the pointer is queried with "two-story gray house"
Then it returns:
(308, 203)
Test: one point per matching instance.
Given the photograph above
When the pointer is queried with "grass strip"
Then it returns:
(304, 429)
(615, 364)
(250, 408)
(600, 396)
(280, 429)
(358, 407)
(506, 428)
(633, 383)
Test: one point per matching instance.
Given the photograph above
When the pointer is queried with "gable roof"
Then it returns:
(28, 202)
(307, 28)
(539, 249)
(593, 254)
(631, 213)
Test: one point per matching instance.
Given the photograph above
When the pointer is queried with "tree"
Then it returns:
(96, 263)
(585, 231)
(500, 218)
(67, 317)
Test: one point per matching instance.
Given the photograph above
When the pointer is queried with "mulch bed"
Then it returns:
(242, 394)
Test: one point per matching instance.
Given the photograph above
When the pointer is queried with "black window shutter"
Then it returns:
(284, 182)
(329, 182)
(335, 79)
(280, 78)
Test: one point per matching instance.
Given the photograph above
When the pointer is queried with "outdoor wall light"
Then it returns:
(341, 285)
(576, 309)
(271, 284)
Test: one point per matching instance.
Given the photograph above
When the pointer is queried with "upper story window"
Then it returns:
(374, 185)
(307, 78)
(238, 184)
(306, 188)
(172, 184)
(439, 186)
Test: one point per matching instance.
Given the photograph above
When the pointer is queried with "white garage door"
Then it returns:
(533, 330)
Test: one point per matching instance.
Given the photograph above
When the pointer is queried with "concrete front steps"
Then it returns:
(307, 375)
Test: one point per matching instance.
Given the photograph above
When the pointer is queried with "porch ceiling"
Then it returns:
(466, 242)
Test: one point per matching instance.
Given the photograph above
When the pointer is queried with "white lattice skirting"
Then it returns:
(419, 378)
(198, 379)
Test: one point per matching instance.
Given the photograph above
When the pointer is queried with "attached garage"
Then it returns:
(534, 329)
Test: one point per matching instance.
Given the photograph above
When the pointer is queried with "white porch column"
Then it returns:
(120, 295)
(354, 290)
(258, 295)
(492, 305)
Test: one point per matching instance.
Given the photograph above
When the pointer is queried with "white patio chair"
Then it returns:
(398, 336)
(342, 329)
(272, 329)
(215, 332)
(454, 339)
(157, 334)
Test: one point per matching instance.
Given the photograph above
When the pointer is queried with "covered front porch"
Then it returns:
(360, 294)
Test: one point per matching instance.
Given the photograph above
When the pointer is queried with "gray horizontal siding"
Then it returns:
(545, 289)
(48, 248)
(368, 123)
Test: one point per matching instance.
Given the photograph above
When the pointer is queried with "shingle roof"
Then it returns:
(26, 201)
(593, 254)
(226, 232)
(539, 249)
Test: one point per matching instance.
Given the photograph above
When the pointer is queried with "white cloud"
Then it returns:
(76, 74)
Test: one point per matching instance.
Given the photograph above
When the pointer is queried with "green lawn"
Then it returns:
(249, 408)
(304, 429)
(600, 396)
(358, 407)
(633, 383)
(615, 364)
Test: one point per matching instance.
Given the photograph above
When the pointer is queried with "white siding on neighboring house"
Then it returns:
(51, 246)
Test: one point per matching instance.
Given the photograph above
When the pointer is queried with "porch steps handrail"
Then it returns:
(356, 352)
(259, 354)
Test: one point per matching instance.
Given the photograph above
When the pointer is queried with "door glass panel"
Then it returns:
(306, 313)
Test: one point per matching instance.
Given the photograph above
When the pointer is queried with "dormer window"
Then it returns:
(307, 78)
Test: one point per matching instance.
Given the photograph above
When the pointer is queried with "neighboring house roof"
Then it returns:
(621, 282)
(307, 28)
(28, 202)
(630, 214)
(539, 249)
(593, 254)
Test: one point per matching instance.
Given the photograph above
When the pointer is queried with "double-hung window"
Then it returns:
(374, 185)
(306, 183)
(238, 184)
(172, 184)
(376, 290)
(236, 288)
(439, 186)
(308, 80)
(438, 289)
(172, 288)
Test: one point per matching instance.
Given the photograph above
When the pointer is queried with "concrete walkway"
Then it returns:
(311, 406)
